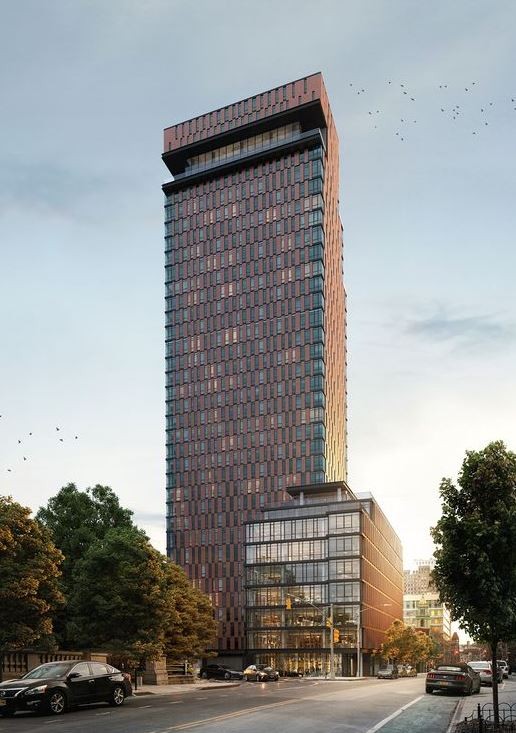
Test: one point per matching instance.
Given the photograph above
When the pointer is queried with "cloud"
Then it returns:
(470, 331)
(46, 186)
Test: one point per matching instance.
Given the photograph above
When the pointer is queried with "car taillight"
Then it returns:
(430, 676)
(460, 677)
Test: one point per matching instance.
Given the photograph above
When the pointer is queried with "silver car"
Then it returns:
(387, 672)
(485, 671)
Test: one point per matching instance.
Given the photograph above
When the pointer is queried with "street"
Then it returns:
(290, 706)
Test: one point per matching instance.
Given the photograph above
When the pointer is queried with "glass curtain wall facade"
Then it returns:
(324, 551)
(255, 326)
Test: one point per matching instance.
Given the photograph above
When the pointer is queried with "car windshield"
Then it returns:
(48, 671)
(450, 668)
(479, 665)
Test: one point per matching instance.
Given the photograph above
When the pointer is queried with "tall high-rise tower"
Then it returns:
(255, 325)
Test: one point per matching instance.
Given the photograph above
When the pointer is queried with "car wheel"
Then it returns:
(469, 691)
(227, 676)
(7, 713)
(428, 690)
(56, 703)
(117, 696)
(204, 675)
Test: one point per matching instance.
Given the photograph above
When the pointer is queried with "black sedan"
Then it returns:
(453, 677)
(219, 672)
(57, 686)
(260, 673)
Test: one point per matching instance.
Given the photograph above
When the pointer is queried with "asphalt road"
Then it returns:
(289, 706)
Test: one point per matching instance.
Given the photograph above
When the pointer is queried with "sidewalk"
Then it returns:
(469, 705)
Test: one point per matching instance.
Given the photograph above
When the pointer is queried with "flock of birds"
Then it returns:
(26, 442)
(474, 108)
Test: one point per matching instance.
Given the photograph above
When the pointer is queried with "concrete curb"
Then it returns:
(456, 716)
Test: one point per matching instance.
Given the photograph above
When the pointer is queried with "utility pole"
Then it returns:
(359, 651)
(332, 651)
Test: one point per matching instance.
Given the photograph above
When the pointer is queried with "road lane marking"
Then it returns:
(393, 715)
(176, 702)
(236, 714)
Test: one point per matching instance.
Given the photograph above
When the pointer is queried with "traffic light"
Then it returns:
(288, 603)
(336, 636)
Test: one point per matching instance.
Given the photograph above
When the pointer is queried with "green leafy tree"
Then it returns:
(130, 600)
(76, 520)
(29, 572)
(475, 569)
(117, 602)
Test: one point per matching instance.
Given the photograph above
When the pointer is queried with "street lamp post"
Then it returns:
(330, 618)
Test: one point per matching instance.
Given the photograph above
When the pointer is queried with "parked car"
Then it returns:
(219, 672)
(57, 686)
(485, 670)
(407, 670)
(453, 677)
(502, 664)
(387, 672)
(260, 673)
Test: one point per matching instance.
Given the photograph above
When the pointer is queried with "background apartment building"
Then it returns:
(421, 606)
(255, 326)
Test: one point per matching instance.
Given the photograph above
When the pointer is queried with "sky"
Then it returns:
(428, 194)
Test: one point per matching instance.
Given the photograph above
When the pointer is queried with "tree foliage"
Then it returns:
(77, 519)
(475, 569)
(405, 645)
(128, 599)
(29, 572)
(122, 595)
(195, 629)
(475, 572)
(117, 602)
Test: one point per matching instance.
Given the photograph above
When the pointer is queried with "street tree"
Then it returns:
(130, 600)
(76, 520)
(405, 645)
(193, 630)
(29, 573)
(475, 569)
(117, 601)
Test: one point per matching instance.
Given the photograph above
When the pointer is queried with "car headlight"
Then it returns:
(37, 690)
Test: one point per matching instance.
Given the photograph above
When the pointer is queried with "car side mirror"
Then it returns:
(73, 675)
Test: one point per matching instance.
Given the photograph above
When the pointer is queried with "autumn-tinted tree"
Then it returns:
(194, 630)
(405, 645)
(76, 520)
(475, 568)
(29, 572)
